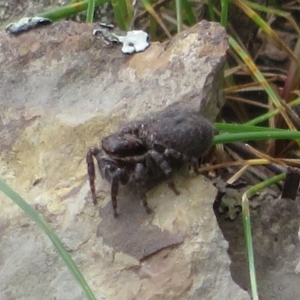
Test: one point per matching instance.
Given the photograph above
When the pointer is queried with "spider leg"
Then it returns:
(175, 154)
(195, 165)
(91, 171)
(114, 194)
(118, 176)
(171, 153)
(145, 203)
(172, 187)
(160, 160)
(182, 157)
(140, 173)
(109, 170)
(165, 167)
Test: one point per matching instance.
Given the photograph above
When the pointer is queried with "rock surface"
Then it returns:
(61, 90)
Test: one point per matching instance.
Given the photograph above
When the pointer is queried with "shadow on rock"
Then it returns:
(132, 232)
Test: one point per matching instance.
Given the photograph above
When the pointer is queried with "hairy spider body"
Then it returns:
(147, 152)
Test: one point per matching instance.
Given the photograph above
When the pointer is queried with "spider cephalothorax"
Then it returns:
(147, 152)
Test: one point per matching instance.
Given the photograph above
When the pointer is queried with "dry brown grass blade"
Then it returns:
(153, 13)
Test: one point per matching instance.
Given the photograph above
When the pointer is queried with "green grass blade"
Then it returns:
(190, 17)
(148, 7)
(224, 12)
(260, 78)
(249, 245)
(254, 70)
(255, 136)
(271, 10)
(247, 226)
(33, 214)
(270, 114)
(264, 184)
(68, 10)
(241, 128)
(178, 15)
(123, 12)
(211, 12)
(265, 27)
(153, 28)
(90, 11)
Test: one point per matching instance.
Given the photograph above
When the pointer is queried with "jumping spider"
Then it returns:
(146, 152)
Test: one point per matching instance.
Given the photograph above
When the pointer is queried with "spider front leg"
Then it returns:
(91, 170)
(173, 188)
(119, 175)
(109, 169)
(140, 173)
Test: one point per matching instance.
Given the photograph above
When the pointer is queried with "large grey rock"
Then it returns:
(61, 91)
